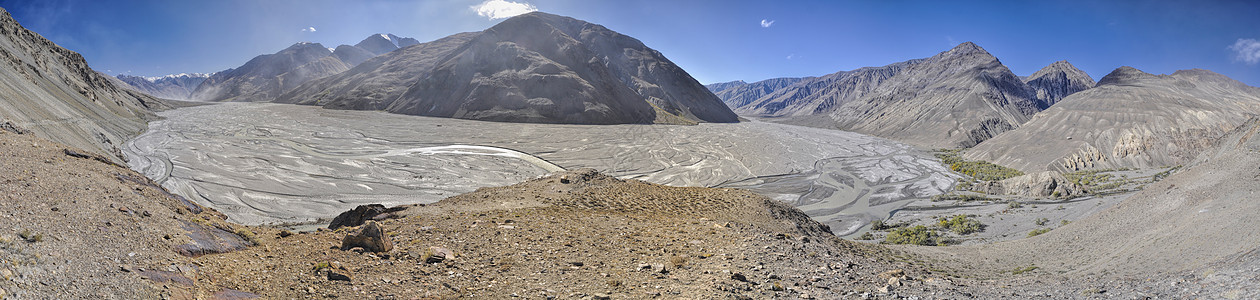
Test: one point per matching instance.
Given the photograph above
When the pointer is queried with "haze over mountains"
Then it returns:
(176, 86)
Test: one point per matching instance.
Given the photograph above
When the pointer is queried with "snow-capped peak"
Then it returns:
(193, 75)
(387, 37)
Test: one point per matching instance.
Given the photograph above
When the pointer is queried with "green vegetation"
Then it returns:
(321, 266)
(917, 235)
(1161, 175)
(980, 170)
(1037, 232)
(866, 236)
(1088, 177)
(961, 197)
(880, 225)
(1064, 222)
(961, 224)
(1014, 205)
(1041, 221)
(1019, 270)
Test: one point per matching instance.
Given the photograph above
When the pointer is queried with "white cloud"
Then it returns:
(308, 29)
(766, 23)
(1247, 51)
(791, 56)
(501, 9)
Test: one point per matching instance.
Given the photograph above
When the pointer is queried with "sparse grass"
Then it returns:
(1014, 205)
(1041, 221)
(917, 235)
(961, 224)
(1161, 175)
(1088, 177)
(248, 235)
(980, 170)
(32, 237)
(1037, 232)
(1064, 222)
(1021, 270)
(678, 261)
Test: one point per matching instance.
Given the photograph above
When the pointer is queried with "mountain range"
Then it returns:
(177, 86)
(957, 98)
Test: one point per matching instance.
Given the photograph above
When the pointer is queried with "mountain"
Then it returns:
(352, 55)
(742, 95)
(1058, 80)
(535, 67)
(1130, 119)
(53, 92)
(383, 43)
(260, 79)
(718, 87)
(175, 86)
(957, 98)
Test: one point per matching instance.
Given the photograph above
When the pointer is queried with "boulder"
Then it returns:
(371, 237)
(362, 213)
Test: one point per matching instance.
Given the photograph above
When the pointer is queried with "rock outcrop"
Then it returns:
(1058, 80)
(1131, 119)
(1040, 184)
(361, 214)
(537, 67)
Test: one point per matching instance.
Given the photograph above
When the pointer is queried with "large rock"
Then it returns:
(1058, 80)
(361, 214)
(1040, 184)
(370, 237)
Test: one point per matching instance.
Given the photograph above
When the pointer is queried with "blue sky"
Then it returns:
(713, 40)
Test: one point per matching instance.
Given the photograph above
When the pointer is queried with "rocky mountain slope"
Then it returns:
(718, 87)
(535, 67)
(175, 86)
(957, 98)
(54, 93)
(384, 43)
(1130, 119)
(1058, 80)
(744, 94)
(1194, 225)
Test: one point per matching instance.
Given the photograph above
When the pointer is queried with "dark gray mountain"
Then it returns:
(52, 92)
(1130, 119)
(720, 86)
(957, 98)
(176, 86)
(535, 67)
(740, 96)
(266, 76)
(1058, 80)
(352, 55)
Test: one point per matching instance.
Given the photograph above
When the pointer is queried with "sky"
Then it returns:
(714, 41)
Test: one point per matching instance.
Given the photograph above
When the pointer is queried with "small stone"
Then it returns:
(577, 264)
(776, 287)
(124, 268)
(285, 233)
(146, 214)
(6, 274)
(56, 209)
(885, 289)
(892, 273)
(739, 277)
(601, 296)
(806, 296)
(334, 276)
(371, 237)
(437, 255)
(894, 281)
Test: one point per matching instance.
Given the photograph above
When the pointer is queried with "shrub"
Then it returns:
(917, 235)
(1014, 205)
(879, 225)
(961, 224)
(1064, 222)
(1037, 232)
(29, 236)
(960, 197)
(1019, 270)
(981, 170)
(321, 266)
(1041, 221)
(247, 235)
(866, 236)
